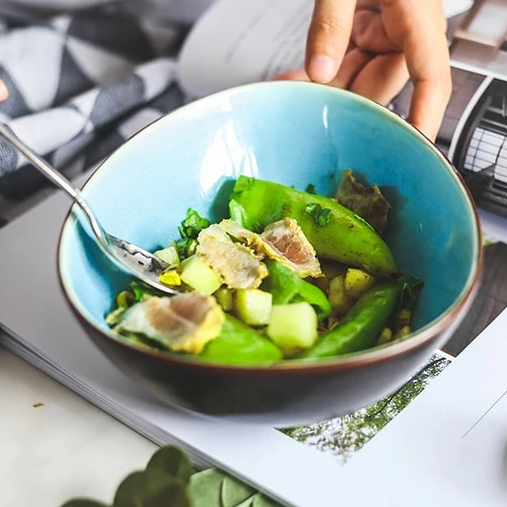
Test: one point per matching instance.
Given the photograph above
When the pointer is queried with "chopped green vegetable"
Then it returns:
(310, 189)
(319, 214)
(225, 298)
(240, 344)
(385, 336)
(403, 333)
(240, 216)
(287, 287)
(140, 291)
(186, 247)
(293, 327)
(410, 290)
(193, 224)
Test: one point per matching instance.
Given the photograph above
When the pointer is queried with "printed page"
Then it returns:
(242, 41)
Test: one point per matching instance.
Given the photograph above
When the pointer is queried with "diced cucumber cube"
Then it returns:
(293, 327)
(225, 298)
(253, 306)
(169, 255)
(198, 275)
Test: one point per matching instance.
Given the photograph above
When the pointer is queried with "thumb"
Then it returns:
(328, 38)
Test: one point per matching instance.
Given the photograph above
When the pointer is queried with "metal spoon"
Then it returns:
(138, 262)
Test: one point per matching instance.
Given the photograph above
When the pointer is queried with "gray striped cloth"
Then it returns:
(79, 86)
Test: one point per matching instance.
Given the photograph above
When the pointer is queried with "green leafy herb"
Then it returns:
(240, 216)
(140, 291)
(319, 214)
(311, 189)
(169, 480)
(186, 247)
(410, 290)
(193, 224)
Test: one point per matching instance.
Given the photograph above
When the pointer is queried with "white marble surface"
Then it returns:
(62, 449)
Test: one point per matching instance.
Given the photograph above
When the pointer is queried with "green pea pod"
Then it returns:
(240, 344)
(286, 286)
(336, 234)
(361, 326)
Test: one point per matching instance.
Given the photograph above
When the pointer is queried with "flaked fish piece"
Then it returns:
(184, 323)
(236, 264)
(283, 241)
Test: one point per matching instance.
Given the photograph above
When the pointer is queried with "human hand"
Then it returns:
(4, 93)
(374, 46)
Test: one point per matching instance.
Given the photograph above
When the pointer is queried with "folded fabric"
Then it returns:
(79, 86)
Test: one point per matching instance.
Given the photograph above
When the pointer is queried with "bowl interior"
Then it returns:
(293, 133)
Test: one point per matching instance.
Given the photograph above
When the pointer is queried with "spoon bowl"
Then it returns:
(139, 263)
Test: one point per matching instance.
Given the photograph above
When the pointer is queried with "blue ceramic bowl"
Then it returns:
(296, 134)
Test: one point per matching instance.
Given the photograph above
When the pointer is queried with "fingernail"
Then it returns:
(4, 92)
(321, 68)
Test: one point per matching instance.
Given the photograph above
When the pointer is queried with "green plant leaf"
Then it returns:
(235, 493)
(151, 488)
(261, 500)
(83, 502)
(205, 488)
(173, 461)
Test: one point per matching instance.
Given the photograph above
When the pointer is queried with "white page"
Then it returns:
(449, 446)
(242, 41)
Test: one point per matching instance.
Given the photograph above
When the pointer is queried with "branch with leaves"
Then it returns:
(170, 480)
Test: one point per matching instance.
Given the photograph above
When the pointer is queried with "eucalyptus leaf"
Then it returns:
(261, 500)
(151, 488)
(247, 503)
(173, 461)
(205, 488)
(236, 493)
(83, 502)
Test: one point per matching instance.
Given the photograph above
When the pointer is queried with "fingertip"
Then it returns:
(4, 92)
(321, 68)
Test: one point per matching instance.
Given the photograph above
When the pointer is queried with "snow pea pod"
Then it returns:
(240, 344)
(361, 326)
(337, 234)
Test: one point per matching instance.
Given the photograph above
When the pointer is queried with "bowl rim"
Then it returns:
(367, 357)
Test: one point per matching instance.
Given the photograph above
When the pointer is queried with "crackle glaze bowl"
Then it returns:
(293, 133)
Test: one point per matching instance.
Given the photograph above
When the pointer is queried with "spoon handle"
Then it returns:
(56, 177)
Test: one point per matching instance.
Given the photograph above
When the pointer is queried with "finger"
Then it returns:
(4, 92)
(328, 38)
(353, 63)
(369, 34)
(427, 57)
(293, 75)
(382, 78)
